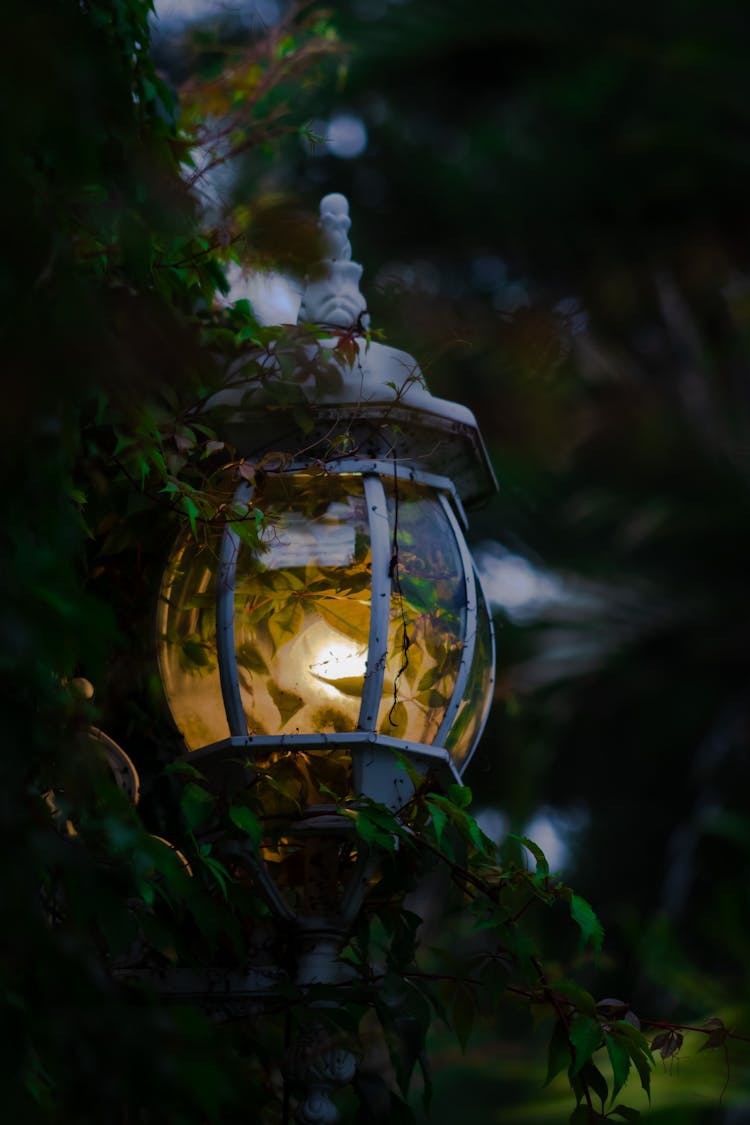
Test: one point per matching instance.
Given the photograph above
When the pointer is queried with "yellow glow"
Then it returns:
(340, 664)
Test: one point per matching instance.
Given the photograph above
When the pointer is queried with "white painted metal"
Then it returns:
(225, 645)
(380, 602)
(375, 393)
(332, 296)
(406, 471)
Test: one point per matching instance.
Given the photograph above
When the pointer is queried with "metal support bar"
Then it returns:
(364, 778)
(385, 468)
(380, 603)
(345, 739)
(228, 673)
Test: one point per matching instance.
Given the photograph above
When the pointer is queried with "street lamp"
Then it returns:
(356, 625)
(336, 623)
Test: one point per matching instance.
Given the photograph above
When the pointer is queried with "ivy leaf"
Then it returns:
(667, 1043)
(619, 1058)
(429, 679)
(633, 1035)
(287, 702)
(643, 1066)
(436, 699)
(592, 1078)
(219, 872)
(587, 921)
(558, 1052)
(286, 622)
(372, 833)
(196, 654)
(197, 804)
(542, 866)
(439, 821)
(348, 616)
(717, 1035)
(414, 664)
(247, 822)
(248, 529)
(191, 510)
(460, 795)
(626, 1112)
(578, 996)
(586, 1037)
(248, 656)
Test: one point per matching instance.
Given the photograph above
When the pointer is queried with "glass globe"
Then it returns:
(357, 609)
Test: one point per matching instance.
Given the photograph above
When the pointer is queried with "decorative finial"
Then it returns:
(334, 298)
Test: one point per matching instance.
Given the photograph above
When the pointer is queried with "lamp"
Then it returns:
(355, 622)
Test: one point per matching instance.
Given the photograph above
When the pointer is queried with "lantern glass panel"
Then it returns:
(428, 615)
(301, 615)
(302, 600)
(302, 607)
(469, 722)
(186, 638)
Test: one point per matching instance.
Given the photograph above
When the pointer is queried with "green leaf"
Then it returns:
(196, 653)
(197, 804)
(573, 992)
(634, 1036)
(247, 822)
(619, 1057)
(285, 622)
(626, 1112)
(287, 702)
(558, 1052)
(250, 657)
(439, 821)
(460, 795)
(191, 510)
(219, 872)
(593, 1079)
(248, 529)
(372, 833)
(542, 867)
(638, 1047)
(396, 720)
(586, 1037)
(347, 616)
(591, 928)
(429, 679)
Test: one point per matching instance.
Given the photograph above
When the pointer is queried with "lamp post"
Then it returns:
(349, 630)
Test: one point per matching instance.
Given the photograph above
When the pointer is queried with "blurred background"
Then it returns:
(550, 201)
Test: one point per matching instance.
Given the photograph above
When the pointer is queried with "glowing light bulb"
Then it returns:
(342, 665)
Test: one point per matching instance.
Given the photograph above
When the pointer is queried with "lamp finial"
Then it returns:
(334, 299)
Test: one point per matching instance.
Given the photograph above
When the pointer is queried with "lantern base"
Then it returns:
(377, 772)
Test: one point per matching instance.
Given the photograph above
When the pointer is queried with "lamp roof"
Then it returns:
(373, 393)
